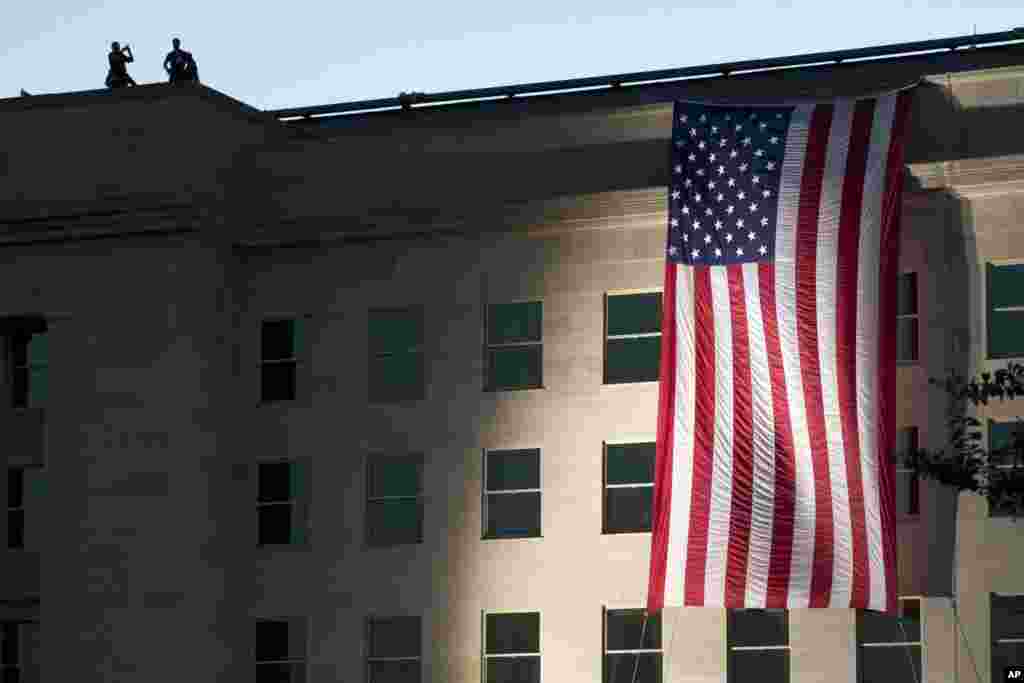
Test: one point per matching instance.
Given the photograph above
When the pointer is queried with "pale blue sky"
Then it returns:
(294, 53)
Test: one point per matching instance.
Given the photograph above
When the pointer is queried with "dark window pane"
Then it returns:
(514, 323)
(890, 664)
(1001, 437)
(15, 487)
(879, 627)
(38, 350)
(395, 672)
(907, 492)
(275, 481)
(628, 510)
(278, 339)
(15, 528)
(37, 387)
(1008, 617)
(19, 387)
(275, 524)
(511, 470)
(394, 476)
(758, 627)
(1006, 333)
(633, 360)
(634, 314)
(271, 640)
(621, 668)
(762, 666)
(625, 627)
(1004, 655)
(10, 674)
(631, 463)
(281, 673)
(513, 515)
(395, 637)
(397, 377)
(906, 442)
(278, 382)
(394, 522)
(9, 647)
(1005, 285)
(513, 670)
(394, 331)
(19, 349)
(513, 633)
(517, 367)
(906, 339)
(906, 294)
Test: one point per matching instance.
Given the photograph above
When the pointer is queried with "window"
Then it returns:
(280, 650)
(19, 645)
(27, 360)
(1008, 461)
(394, 502)
(282, 503)
(393, 650)
(514, 347)
(906, 318)
(1005, 288)
(907, 482)
(628, 487)
(1007, 614)
(396, 354)
(26, 491)
(512, 494)
(279, 359)
(625, 652)
(512, 648)
(632, 337)
(888, 647)
(758, 645)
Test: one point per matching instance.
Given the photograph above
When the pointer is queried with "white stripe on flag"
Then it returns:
(763, 503)
(867, 342)
(825, 294)
(721, 481)
(682, 442)
(785, 304)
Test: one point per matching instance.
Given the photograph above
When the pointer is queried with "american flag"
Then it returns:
(773, 487)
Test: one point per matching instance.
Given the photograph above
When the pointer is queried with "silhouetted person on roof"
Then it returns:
(179, 64)
(119, 58)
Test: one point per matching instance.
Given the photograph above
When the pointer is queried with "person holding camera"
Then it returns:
(179, 64)
(119, 58)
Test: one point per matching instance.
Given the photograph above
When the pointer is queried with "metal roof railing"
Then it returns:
(421, 100)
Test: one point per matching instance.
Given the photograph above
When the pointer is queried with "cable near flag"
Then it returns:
(773, 486)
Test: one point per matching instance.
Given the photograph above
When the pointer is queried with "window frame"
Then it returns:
(919, 643)
(289, 660)
(12, 329)
(605, 651)
(730, 670)
(914, 481)
(1012, 466)
(300, 516)
(419, 350)
(17, 625)
(640, 335)
(996, 641)
(488, 346)
(485, 656)
(486, 492)
(369, 659)
(605, 486)
(990, 309)
(915, 316)
(296, 360)
(21, 470)
(369, 499)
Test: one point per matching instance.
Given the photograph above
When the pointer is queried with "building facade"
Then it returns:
(371, 397)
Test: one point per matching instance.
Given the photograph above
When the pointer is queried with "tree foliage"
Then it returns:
(997, 474)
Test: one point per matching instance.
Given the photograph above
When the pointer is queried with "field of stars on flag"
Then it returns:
(726, 171)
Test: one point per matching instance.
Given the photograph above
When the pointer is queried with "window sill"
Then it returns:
(629, 384)
(605, 532)
(907, 363)
(509, 538)
(514, 389)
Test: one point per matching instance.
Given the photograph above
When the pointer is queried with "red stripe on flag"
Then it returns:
(807, 335)
(846, 338)
(662, 504)
(742, 446)
(703, 436)
(889, 248)
(779, 564)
